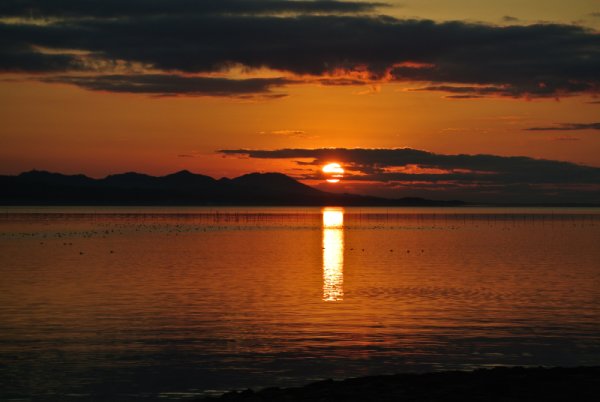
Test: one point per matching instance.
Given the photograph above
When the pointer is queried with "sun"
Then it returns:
(334, 172)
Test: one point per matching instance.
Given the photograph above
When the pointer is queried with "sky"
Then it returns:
(477, 100)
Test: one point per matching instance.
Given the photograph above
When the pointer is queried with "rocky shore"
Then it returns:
(497, 384)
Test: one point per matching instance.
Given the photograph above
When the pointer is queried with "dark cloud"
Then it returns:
(128, 8)
(287, 133)
(567, 127)
(171, 85)
(341, 81)
(508, 18)
(464, 96)
(25, 59)
(404, 167)
(525, 89)
(544, 60)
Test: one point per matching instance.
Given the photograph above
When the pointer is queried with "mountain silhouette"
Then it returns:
(180, 188)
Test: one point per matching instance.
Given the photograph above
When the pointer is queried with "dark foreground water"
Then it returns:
(122, 304)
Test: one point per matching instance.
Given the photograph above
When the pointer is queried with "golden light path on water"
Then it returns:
(333, 254)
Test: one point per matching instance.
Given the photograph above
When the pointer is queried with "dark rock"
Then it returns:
(493, 385)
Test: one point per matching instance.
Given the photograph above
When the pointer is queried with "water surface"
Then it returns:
(170, 303)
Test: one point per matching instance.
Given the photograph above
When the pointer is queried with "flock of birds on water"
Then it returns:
(127, 225)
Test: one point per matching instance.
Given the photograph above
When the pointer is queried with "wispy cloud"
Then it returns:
(172, 85)
(288, 133)
(567, 127)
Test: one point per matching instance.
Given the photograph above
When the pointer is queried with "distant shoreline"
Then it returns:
(182, 189)
(497, 384)
(433, 204)
(37, 188)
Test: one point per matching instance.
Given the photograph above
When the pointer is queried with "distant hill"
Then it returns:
(181, 188)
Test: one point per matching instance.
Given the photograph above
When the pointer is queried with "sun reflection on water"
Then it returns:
(333, 254)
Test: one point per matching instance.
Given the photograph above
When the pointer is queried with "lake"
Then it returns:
(124, 303)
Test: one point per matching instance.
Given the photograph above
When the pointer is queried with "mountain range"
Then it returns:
(181, 188)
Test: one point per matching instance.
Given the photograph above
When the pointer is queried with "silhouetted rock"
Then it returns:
(48, 178)
(495, 385)
(187, 178)
(131, 179)
(261, 183)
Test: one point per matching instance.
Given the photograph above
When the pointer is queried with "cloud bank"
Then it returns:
(407, 171)
(129, 8)
(336, 41)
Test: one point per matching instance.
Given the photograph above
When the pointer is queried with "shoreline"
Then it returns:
(495, 384)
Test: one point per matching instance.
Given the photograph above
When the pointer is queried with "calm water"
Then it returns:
(123, 304)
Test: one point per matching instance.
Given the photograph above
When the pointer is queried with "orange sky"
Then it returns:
(72, 129)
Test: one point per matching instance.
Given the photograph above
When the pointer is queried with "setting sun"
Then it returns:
(334, 172)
